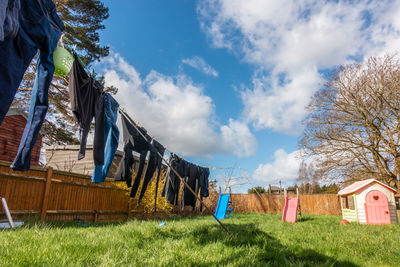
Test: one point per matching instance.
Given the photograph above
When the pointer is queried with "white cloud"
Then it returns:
(199, 64)
(235, 131)
(281, 107)
(284, 168)
(290, 42)
(176, 112)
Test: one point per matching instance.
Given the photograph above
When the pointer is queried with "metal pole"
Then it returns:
(247, 178)
(177, 174)
(7, 211)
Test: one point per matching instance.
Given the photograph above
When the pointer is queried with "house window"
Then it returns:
(348, 202)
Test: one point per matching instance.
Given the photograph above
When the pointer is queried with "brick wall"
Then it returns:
(11, 131)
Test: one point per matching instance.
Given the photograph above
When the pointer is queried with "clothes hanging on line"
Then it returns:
(194, 176)
(154, 163)
(87, 102)
(203, 183)
(161, 149)
(192, 180)
(133, 141)
(172, 181)
(111, 134)
(40, 29)
(9, 18)
(197, 180)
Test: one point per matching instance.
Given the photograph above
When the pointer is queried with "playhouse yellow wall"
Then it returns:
(349, 214)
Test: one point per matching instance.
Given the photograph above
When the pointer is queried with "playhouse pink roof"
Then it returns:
(360, 185)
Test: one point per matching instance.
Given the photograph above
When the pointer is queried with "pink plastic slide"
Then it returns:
(290, 210)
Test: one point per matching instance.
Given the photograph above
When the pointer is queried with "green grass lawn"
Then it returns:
(261, 240)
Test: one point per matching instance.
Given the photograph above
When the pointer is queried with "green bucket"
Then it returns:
(62, 61)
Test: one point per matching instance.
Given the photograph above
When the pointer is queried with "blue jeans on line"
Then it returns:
(111, 135)
(9, 10)
(40, 29)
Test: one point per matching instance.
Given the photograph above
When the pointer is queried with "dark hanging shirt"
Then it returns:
(86, 103)
(133, 141)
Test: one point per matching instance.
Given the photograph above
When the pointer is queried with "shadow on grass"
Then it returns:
(269, 251)
(304, 219)
(77, 223)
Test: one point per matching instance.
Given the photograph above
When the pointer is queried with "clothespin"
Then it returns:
(61, 40)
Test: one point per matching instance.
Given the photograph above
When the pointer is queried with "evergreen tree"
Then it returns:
(83, 20)
(257, 189)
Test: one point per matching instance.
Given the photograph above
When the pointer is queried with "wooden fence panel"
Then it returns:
(312, 204)
(70, 196)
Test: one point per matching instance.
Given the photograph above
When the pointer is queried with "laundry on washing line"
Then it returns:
(88, 101)
(22, 35)
(19, 43)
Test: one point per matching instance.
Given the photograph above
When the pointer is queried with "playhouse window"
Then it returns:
(348, 202)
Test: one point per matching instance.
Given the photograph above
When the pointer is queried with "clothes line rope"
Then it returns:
(122, 112)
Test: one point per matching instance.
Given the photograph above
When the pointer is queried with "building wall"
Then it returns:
(361, 201)
(65, 158)
(11, 131)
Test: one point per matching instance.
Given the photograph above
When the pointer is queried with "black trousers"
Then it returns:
(192, 180)
(153, 163)
(203, 184)
(172, 182)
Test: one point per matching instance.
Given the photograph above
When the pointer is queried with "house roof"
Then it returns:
(14, 111)
(75, 148)
(360, 185)
(17, 111)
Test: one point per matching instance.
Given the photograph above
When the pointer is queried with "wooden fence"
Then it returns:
(60, 196)
(57, 195)
(312, 204)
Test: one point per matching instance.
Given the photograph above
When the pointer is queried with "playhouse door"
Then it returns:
(377, 208)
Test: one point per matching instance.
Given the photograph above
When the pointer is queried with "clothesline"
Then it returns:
(86, 95)
(155, 151)
(177, 174)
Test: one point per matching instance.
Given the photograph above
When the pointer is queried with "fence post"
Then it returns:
(46, 192)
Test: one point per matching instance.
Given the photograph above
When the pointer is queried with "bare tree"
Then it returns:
(353, 125)
(308, 177)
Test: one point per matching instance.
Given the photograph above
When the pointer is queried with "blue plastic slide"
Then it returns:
(222, 206)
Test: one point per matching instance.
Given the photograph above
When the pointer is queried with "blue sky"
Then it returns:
(224, 83)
